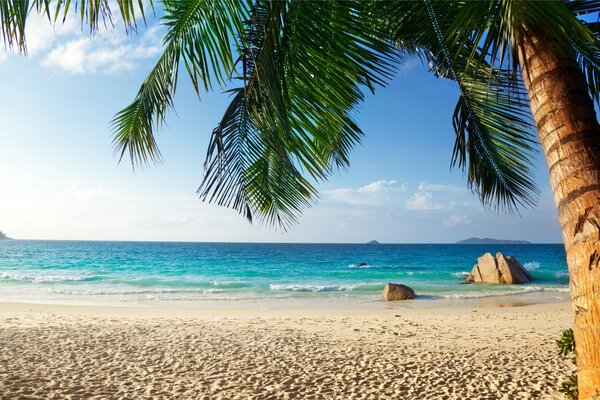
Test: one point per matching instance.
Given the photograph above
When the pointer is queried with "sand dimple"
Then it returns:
(484, 355)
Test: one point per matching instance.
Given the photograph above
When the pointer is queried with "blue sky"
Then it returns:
(60, 180)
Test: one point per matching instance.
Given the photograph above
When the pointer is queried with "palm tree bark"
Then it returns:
(570, 137)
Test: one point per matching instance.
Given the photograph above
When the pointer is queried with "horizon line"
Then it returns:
(250, 242)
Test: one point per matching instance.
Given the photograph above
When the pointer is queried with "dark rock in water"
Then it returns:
(396, 291)
(373, 242)
(362, 264)
(499, 269)
(3, 236)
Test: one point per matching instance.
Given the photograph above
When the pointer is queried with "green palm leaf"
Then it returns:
(303, 64)
(495, 141)
(13, 16)
(494, 30)
(202, 34)
(303, 68)
(492, 122)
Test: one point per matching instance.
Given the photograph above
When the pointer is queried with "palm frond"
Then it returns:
(583, 7)
(199, 32)
(492, 121)
(467, 42)
(304, 65)
(495, 140)
(206, 32)
(93, 12)
(247, 166)
(496, 28)
(13, 16)
(134, 126)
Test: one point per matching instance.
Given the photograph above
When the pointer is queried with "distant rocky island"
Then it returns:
(3, 236)
(373, 242)
(476, 240)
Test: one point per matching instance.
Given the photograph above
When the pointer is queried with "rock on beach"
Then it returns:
(499, 269)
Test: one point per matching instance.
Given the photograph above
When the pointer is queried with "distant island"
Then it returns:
(373, 242)
(476, 240)
(3, 236)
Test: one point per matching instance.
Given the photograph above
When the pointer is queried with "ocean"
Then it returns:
(262, 274)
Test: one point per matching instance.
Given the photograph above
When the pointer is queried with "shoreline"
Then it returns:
(128, 311)
(312, 301)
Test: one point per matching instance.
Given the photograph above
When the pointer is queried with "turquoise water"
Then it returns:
(147, 272)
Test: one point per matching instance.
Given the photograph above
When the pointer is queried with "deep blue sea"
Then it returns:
(234, 273)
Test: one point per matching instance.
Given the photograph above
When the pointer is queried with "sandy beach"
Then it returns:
(51, 351)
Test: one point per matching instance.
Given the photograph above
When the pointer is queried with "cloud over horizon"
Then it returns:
(75, 210)
(375, 193)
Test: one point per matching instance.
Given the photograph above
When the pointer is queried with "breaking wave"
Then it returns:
(324, 288)
(532, 266)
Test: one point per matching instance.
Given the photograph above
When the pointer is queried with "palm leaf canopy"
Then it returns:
(300, 69)
(492, 122)
(476, 44)
(296, 71)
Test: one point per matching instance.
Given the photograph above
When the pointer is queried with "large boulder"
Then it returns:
(499, 269)
(396, 291)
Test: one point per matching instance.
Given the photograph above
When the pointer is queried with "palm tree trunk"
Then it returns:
(570, 137)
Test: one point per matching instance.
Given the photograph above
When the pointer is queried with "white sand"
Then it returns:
(100, 352)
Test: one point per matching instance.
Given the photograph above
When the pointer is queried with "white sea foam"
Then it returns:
(362, 266)
(505, 292)
(315, 288)
(532, 266)
(461, 274)
(231, 284)
(115, 291)
(15, 276)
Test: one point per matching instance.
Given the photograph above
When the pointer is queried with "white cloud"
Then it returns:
(59, 208)
(427, 197)
(41, 35)
(107, 52)
(69, 47)
(63, 209)
(376, 193)
(422, 201)
(457, 220)
(378, 186)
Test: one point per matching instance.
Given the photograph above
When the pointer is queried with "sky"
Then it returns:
(59, 178)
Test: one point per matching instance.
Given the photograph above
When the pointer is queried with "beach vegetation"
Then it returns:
(566, 347)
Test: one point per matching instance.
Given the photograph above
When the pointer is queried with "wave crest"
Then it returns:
(532, 266)
(493, 293)
(320, 288)
(461, 274)
(18, 277)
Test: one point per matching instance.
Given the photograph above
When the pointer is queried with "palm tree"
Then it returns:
(302, 67)
(506, 55)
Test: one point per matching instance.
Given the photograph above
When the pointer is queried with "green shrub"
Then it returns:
(566, 346)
